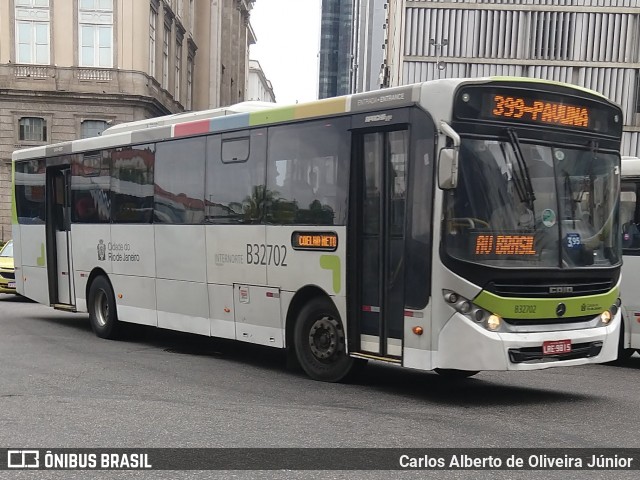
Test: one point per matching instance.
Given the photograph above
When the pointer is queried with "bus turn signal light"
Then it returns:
(417, 330)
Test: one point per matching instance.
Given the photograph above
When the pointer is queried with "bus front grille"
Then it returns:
(551, 321)
(550, 287)
(535, 355)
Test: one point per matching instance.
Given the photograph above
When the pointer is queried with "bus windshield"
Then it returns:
(521, 204)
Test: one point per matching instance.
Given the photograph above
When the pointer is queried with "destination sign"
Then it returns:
(496, 246)
(324, 241)
(537, 106)
(540, 111)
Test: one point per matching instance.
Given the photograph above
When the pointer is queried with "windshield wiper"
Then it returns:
(572, 206)
(522, 180)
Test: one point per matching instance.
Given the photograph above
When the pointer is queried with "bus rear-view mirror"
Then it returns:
(448, 168)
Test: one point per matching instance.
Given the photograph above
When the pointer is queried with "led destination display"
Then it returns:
(496, 246)
(325, 241)
(528, 106)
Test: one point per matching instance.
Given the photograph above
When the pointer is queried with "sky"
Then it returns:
(287, 47)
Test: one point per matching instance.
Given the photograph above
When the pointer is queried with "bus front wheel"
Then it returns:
(102, 309)
(319, 341)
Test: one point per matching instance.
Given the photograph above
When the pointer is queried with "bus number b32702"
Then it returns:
(266, 254)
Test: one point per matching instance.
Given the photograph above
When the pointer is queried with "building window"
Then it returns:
(32, 31)
(189, 82)
(192, 15)
(180, 9)
(92, 128)
(165, 57)
(176, 95)
(96, 33)
(153, 22)
(32, 129)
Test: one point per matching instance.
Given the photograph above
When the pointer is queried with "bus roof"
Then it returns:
(254, 114)
(243, 107)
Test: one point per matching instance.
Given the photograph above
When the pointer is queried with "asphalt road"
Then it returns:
(60, 386)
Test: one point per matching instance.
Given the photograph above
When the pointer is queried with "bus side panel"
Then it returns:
(34, 269)
(133, 250)
(417, 351)
(133, 263)
(183, 306)
(136, 299)
(630, 294)
(235, 254)
(289, 269)
(181, 288)
(257, 315)
(221, 311)
(89, 250)
(17, 258)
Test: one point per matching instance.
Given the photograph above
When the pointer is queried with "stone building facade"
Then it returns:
(70, 69)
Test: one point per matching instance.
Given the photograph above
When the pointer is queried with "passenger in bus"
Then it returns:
(85, 210)
(630, 230)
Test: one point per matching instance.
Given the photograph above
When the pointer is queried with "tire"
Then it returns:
(103, 313)
(319, 341)
(455, 374)
(624, 354)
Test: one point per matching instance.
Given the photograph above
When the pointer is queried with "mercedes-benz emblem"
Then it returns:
(561, 309)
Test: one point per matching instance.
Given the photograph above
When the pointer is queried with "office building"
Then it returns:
(591, 43)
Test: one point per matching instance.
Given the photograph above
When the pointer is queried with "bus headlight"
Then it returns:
(605, 317)
(478, 315)
(494, 322)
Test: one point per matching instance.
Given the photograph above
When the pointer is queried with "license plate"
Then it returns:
(553, 347)
(11, 285)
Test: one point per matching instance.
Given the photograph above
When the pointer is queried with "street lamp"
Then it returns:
(443, 43)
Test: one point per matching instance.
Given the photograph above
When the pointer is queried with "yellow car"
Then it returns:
(7, 271)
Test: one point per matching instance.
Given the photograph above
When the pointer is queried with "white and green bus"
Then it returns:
(630, 288)
(456, 225)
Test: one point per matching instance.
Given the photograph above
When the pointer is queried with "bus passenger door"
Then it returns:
(381, 165)
(58, 225)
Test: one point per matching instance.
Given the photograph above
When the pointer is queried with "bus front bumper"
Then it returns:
(464, 345)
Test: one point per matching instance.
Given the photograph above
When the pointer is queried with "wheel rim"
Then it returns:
(101, 305)
(326, 338)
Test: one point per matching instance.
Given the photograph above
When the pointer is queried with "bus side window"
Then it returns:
(132, 184)
(307, 173)
(30, 191)
(90, 187)
(235, 178)
(629, 217)
(179, 181)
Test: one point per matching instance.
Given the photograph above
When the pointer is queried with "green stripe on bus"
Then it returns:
(272, 116)
(14, 209)
(536, 308)
(320, 108)
(332, 262)
(40, 260)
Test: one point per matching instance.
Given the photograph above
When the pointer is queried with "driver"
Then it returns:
(512, 215)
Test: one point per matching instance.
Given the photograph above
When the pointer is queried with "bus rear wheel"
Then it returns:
(102, 309)
(319, 341)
